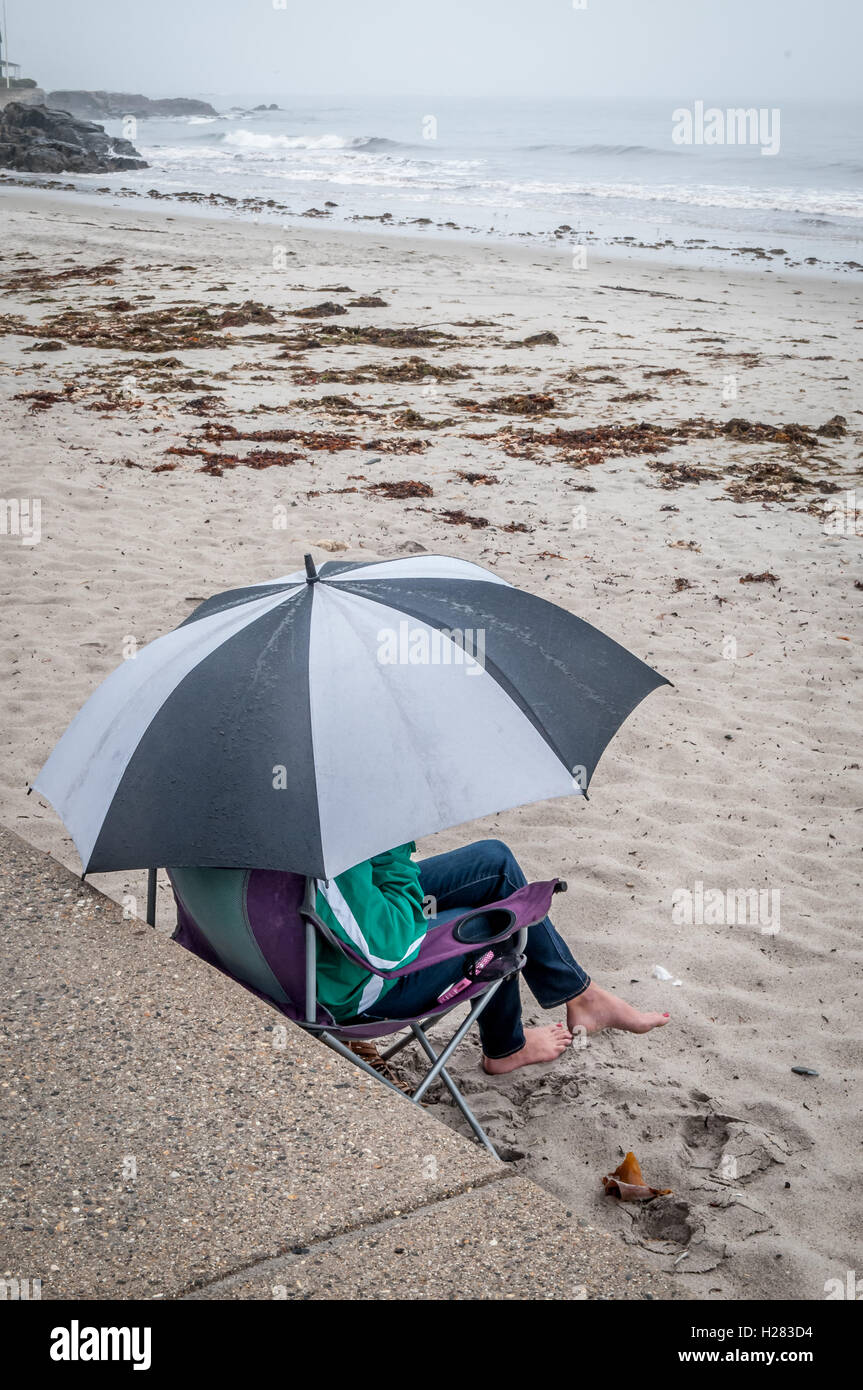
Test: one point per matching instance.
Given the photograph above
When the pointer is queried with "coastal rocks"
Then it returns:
(111, 106)
(43, 141)
(250, 110)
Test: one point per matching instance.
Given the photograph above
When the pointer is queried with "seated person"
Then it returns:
(377, 907)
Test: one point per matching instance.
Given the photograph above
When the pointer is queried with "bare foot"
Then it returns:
(597, 1008)
(540, 1045)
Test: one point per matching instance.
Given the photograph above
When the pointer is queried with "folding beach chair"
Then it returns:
(260, 928)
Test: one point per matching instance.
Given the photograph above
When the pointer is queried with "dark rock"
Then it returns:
(43, 141)
(834, 428)
(116, 105)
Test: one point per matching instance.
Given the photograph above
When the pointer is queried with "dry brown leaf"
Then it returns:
(627, 1183)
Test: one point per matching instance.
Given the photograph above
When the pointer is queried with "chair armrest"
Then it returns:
(522, 909)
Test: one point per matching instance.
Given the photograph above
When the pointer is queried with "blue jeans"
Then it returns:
(473, 877)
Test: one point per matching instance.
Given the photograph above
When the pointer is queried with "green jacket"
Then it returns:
(376, 907)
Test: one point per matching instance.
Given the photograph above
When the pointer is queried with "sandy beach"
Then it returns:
(193, 404)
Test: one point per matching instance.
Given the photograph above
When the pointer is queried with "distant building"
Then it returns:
(14, 87)
(10, 73)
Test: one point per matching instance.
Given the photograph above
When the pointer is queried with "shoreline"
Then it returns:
(614, 250)
(194, 430)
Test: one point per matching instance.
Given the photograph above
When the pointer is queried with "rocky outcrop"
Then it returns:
(43, 141)
(113, 106)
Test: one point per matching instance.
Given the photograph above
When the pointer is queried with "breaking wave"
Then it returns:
(260, 140)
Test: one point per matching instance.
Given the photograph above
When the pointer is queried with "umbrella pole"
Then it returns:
(311, 950)
(151, 896)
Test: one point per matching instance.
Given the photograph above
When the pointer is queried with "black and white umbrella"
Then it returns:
(314, 721)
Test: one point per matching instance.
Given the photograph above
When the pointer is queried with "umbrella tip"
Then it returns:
(311, 572)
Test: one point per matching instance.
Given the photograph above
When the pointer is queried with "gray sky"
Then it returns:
(758, 51)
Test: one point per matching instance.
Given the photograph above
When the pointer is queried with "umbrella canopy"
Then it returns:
(312, 722)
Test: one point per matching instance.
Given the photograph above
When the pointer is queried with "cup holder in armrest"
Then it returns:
(484, 925)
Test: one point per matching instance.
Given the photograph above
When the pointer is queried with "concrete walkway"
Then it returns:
(167, 1135)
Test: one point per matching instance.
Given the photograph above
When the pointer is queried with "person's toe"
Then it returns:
(654, 1021)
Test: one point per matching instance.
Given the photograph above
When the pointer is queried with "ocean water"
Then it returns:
(607, 172)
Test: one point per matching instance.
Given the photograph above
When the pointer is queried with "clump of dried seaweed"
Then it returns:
(531, 403)
(399, 491)
(216, 463)
(772, 481)
(412, 420)
(350, 334)
(184, 325)
(34, 278)
(412, 369)
(460, 518)
(477, 479)
(328, 309)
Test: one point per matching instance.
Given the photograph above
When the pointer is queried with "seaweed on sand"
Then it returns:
(768, 480)
(413, 369)
(328, 309)
(411, 419)
(460, 518)
(532, 403)
(216, 433)
(215, 463)
(397, 444)
(583, 446)
(674, 473)
(34, 278)
(399, 491)
(332, 335)
(151, 330)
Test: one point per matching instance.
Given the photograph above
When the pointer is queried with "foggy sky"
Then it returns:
(756, 51)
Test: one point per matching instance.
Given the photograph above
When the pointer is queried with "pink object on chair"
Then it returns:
(459, 985)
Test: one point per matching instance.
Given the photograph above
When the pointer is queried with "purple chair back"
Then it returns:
(248, 924)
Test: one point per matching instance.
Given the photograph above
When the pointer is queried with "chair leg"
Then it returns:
(406, 1042)
(455, 1092)
(456, 1038)
(397, 1048)
(437, 1069)
(338, 1046)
